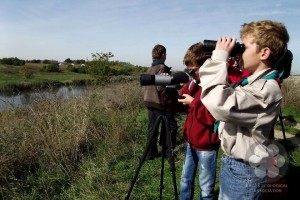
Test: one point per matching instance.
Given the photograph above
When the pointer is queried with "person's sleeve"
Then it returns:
(160, 88)
(202, 114)
(223, 102)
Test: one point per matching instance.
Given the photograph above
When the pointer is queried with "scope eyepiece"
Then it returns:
(176, 78)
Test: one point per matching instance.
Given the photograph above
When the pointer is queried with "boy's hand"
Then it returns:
(186, 100)
(226, 43)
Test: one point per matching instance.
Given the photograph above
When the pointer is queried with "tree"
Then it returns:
(12, 61)
(46, 61)
(68, 60)
(100, 66)
(102, 56)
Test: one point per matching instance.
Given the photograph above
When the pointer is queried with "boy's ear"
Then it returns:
(265, 53)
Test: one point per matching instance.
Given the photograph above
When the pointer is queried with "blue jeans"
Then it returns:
(238, 180)
(207, 162)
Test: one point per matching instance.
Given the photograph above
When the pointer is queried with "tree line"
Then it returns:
(19, 62)
(100, 66)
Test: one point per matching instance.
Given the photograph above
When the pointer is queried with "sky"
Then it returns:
(61, 29)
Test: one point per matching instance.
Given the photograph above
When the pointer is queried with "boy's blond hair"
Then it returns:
(267, 33)
(195, 54)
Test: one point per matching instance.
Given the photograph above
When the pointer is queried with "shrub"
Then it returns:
(51, 68)
(77, 69)
(72, 68)
(27, 72)
(12, 61)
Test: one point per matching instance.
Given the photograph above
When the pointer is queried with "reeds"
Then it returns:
(291, 94)
(56, 135)
(49, 131)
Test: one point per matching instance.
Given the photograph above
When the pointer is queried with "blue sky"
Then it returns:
(60, 29)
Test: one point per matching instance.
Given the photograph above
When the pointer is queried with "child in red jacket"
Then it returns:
(198, 130)
(201, 142)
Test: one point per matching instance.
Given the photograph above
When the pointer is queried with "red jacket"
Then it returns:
(235, 75)
(198, 126)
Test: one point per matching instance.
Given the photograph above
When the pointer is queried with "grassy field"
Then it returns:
(61, 76)
(89, 147)
(13, 78)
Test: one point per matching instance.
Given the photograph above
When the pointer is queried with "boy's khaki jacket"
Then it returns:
(247, 113)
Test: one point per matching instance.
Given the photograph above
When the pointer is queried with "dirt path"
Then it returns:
(289, 137)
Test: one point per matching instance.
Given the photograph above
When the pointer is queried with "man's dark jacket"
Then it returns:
(153, 93)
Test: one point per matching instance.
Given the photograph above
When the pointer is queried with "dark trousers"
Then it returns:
(153, 115)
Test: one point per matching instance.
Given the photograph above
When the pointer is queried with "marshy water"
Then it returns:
(25, 98)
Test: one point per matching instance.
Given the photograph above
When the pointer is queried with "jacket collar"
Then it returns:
(259, 75)
(157, 62)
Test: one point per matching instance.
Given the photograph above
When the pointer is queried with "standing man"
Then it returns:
(158, 101)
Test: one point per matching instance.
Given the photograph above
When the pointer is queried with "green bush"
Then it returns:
(77, 69)
(12, 61)
(51, 68)
(72, 68)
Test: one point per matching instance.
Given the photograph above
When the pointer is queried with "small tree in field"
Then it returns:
(100, 66)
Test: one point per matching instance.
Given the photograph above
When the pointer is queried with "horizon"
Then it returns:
(57, 30)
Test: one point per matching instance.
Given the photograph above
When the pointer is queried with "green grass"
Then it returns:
(63, 77)
(291, 130)
(291, 113)
(291, 121)
(38, 77)
(12, 78)
(17, 82)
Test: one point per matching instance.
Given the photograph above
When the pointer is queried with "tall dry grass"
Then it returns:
(49, 132)
(291, 93)
(58, 134)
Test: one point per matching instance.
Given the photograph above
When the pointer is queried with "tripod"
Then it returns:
(282, 127)
(164, 137)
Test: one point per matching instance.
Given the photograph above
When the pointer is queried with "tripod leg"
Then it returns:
(171, 155)
(282, 126)
(157, 122)
(163, 145)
